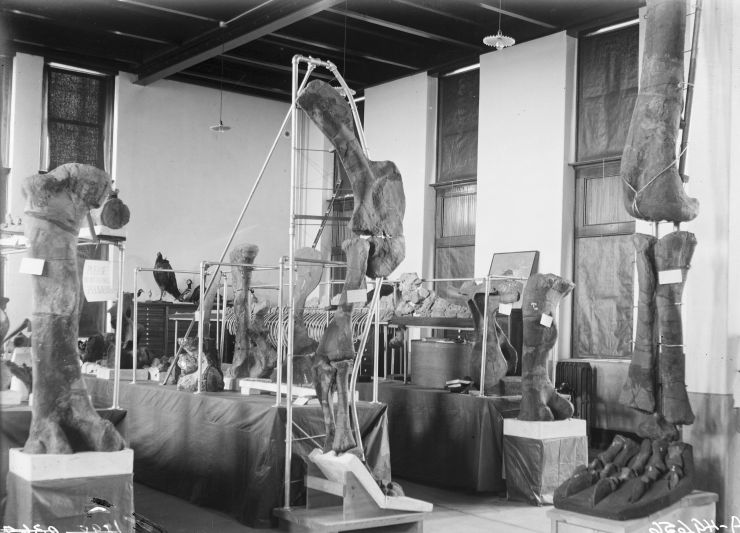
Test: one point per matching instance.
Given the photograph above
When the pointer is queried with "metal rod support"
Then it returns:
(119, 327)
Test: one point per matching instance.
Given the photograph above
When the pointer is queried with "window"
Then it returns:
(457, 169)
(604, 254)
(77, 130)
(77, 118)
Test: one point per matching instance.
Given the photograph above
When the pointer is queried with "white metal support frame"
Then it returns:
(311, 64)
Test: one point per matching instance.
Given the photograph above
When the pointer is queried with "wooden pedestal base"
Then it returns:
(341, 495)
(695, 508)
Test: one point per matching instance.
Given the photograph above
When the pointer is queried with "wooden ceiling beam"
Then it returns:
(402, 28)
(518, 16)
(301, 43)
(278, 67)
(268, 17)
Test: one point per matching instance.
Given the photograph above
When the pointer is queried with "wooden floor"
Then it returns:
(453, 511)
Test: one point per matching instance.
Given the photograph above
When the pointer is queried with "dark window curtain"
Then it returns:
(77, 122)
(604, 254)
(607, 89)
(457, 149)
(76, 116)
(457, 168)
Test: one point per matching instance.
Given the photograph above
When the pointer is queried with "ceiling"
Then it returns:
(246, 46)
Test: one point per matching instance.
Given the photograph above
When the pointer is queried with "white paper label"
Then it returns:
(666, 277)
(97, 281)
(31, 265)
(546, 320)
(505, 309)
(356, 296)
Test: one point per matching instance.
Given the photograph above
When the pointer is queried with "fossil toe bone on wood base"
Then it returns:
(243, 365)
(56, 204)
(379, 201)
(653, 189)
(542, 295)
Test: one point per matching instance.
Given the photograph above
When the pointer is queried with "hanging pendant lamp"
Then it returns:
(499, 40)
(220, 127)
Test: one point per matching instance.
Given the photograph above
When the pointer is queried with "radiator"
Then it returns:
(578, 379)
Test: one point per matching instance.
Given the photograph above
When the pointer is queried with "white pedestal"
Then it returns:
(57, 490)
(142, 374)
(42, 467)
(8, 398)
(540, 456)
(699, 506)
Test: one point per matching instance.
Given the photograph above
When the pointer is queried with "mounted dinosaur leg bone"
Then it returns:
(638, 391)
(243, 365)
(500, 354)
(673, 253)
(56, 204)
(379, 202)
(539, 399)
(653, 189)
(335, 354)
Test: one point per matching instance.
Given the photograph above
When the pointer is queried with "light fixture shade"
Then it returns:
(220, 128)
(499, 40)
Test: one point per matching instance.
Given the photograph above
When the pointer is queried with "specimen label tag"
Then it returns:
(97, 281)
(31, 265)
(356, 296)
(504, 309)
(666, 277)
(546, 320)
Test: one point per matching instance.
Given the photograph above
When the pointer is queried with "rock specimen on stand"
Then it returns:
(416, 300)
(212, 379)
(542, 295)
(379, 201)
(501, 356)
(242, 365)
(56, 204)
(653, 189)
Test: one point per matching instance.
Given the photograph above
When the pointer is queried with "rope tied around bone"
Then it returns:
(637, 192)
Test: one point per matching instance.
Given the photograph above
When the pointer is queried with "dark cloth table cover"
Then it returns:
(225, 450)
(445, 439)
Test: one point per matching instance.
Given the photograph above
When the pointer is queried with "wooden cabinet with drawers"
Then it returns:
(159, 330)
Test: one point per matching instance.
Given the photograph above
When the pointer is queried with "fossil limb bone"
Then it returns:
(653, 189)
(56, 204)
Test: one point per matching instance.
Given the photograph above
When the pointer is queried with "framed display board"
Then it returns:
(514, 264)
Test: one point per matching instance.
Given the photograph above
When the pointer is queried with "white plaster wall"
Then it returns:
(525, 187)
(186, 185)
(400, 124)
(712, 165)
(25, 156)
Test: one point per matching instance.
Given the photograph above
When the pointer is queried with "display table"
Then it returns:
(224, 450)
(695, 508)
(445, 439)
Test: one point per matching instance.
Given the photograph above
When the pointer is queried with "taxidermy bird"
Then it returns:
(166, 281)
